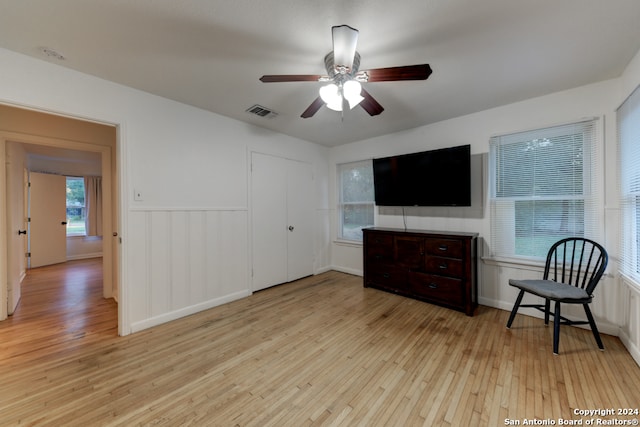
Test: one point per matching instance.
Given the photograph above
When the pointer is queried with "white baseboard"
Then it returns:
(604, 327)
(631, 347)
(352, 271)
(186, 311)
(323, 270)
(84, 256)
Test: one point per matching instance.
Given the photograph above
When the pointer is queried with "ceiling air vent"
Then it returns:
(261, 111)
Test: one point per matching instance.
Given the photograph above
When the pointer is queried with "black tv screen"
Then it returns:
(429, 178)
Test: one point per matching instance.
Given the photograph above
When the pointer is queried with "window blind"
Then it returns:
(356, 199)
(543, 188)
(629, 170)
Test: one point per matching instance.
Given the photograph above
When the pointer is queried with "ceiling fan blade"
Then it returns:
(313, 108)
(370, 105)
(281, 78)
(407, 72)
(345, 40)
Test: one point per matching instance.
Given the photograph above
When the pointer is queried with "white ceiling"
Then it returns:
(211, 53)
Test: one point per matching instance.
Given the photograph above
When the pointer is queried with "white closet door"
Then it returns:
(300, 220)
(282, 220)
(48, 213)
(269, 220)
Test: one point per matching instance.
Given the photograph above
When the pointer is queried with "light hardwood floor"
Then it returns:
(319, 351)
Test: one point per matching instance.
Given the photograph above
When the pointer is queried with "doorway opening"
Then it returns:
(33, 141)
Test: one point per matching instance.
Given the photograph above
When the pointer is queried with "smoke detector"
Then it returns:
(52, 53)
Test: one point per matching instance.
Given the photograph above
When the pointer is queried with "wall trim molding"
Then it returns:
(186, 311)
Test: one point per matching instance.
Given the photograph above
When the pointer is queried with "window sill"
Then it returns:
(533, 265)
(350, 243)
(520, 263)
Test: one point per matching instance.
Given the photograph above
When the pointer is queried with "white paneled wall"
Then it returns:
(193, 260)
(630, 328)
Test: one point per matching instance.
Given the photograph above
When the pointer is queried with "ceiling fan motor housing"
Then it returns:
(340, 73)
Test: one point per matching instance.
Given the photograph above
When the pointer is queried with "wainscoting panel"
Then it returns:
(630, 330)
(185, 261)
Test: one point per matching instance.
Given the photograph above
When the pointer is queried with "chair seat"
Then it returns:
(553, 290)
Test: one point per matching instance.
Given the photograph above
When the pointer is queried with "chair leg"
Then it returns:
(594, 328)
(556, 328)
(547, 304)
(516, 305)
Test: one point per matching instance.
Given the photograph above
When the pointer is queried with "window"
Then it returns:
(543, 188)
(356, 201)
(629, 169)
(75, 207)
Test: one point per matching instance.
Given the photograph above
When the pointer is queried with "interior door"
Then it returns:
(16, 226)
(299, 220)
(48, 213)
(268, 220)
(281, 219)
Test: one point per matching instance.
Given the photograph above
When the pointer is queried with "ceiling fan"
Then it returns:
(343, 80)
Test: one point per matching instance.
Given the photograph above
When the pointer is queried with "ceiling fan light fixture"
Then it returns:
(352, 90)
(330, 94)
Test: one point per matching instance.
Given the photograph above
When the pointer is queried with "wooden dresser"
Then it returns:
(434, 266)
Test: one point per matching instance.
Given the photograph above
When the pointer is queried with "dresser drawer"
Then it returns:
(444, 247)
(378, 246)
(437, 288)
(386, 277)
(443, 266)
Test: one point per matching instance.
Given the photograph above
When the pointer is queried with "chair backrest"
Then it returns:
(576, 261)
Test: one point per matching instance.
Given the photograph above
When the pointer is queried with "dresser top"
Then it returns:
(426, 232)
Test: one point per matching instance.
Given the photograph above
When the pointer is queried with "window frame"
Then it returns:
(504, 226)
(340, 167)
(628, 165)
(83, 207)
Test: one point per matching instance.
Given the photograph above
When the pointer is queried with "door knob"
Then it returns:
(22, 231)
(64, 223)
(291, 228)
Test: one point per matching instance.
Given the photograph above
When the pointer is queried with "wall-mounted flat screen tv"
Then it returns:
(429, 178)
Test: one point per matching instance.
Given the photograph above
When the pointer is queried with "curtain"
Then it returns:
(93, 205)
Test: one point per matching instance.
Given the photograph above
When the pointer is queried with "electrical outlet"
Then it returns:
(137, 195)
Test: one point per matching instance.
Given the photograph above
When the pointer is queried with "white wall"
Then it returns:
(616, 306)
(475, 129)
(82, 247)
(185, 246)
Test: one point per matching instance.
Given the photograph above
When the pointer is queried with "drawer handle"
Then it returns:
(443, 247)
(442, 266)
(433, 285)
(386, 275)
